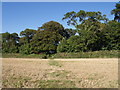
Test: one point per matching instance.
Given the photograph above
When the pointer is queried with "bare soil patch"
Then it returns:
(60, 73)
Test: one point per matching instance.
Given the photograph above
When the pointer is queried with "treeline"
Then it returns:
(93, 32)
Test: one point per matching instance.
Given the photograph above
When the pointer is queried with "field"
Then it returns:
(92, 54)
(60, 73)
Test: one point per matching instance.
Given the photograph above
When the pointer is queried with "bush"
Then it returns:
(63, 46)
(95, 54)
(110, 36)
(25, 49)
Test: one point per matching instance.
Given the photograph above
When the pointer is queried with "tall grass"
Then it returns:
(95, 54)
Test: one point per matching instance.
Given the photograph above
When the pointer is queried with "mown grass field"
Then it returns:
(60, 73)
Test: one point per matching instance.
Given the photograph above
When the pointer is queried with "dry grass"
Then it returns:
(78, 73)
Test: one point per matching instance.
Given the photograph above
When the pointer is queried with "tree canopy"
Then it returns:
(10, 42)
(93, 32)
(116, 12)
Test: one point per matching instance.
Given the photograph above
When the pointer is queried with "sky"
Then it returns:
(17, 16)
(60, 0)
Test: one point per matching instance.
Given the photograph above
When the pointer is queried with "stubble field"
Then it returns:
(60, 73)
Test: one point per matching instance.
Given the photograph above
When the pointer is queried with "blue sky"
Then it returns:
(17, 16)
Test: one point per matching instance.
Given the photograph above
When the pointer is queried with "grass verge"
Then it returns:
(95, 54)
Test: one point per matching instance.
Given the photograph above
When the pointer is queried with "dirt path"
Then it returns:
(84, 59)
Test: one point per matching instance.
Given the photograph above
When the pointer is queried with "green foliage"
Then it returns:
(10, 42)
(88, 26)
(70, 32)
(95, 54)
(74, 44)
(25, 49)
(25, 40)
(53, 27)
(94, 33)
(85, 42)
(116, 12)
(111, 36)
(45, 41)
(89, 40)
(63, 46)
(27, 35)
(76, 19)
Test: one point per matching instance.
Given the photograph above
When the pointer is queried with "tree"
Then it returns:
(10, 42)
(63, 46)
(25, 40)
(54, 27)
(74, 44)
(90, 40)
(116, 12)
(111, 36)
(48, 37)
(5, 42)
(76, 19)
(71, 16)
(25, 49)
(88, 25)
(70, 32)
(45, 41)
(27, 35)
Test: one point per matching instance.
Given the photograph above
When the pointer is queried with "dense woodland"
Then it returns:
(93, 32)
